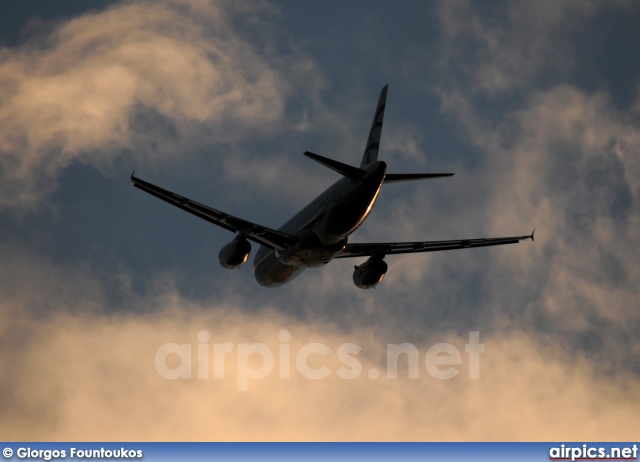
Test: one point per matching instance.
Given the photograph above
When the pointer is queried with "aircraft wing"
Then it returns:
(261, 234)
(391, 248)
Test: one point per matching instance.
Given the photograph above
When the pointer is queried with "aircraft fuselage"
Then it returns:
(323, 227)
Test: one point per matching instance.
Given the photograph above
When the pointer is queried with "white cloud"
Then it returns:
(557, 312)
(157, 78)
(565, 165)
(505, 57)
(74, 364)
(557, 159)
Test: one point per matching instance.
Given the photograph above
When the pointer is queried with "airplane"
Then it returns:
(320, 231)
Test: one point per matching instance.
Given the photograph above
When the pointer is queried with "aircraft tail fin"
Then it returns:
(373, 142)
(343, 169)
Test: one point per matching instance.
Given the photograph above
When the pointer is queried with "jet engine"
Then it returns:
(370, 273)
(235, 253)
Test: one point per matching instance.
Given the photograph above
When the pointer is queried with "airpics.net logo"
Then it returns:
(257, 361)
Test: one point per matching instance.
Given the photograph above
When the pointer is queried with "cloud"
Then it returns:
(565, 163)
(552, 157)
(558, 317)
(575, 173)
(506, 54)
(74, 364)
(152, 79)
(404, 143)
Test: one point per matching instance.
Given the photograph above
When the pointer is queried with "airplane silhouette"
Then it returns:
(320, 231)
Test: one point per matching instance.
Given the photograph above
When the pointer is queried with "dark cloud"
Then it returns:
(217, 102)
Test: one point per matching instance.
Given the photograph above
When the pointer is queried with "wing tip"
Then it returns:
(132, 175)
(532, 232)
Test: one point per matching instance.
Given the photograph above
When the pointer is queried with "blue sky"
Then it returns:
(534, 105)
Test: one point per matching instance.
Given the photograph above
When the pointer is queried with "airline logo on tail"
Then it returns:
(373, 142)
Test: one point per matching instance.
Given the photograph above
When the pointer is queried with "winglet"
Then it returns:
(534, 230)
(132, 173)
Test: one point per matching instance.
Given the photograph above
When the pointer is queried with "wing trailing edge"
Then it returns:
(393, 248)
(262, 235)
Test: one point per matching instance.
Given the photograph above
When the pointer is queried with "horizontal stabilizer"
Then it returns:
(398, 177)
(343, 169)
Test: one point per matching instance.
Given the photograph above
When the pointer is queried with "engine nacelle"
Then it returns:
(235, 253)
(370, 273)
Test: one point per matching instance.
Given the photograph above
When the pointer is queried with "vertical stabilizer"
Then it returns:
(373, 142)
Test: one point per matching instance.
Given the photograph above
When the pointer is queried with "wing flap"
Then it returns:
(257, 233)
